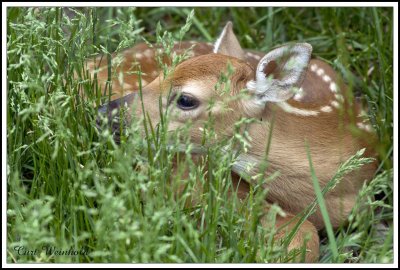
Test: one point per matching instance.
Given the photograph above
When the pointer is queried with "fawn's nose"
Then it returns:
(116, 118)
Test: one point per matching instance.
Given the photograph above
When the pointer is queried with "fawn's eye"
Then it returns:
(187, 102)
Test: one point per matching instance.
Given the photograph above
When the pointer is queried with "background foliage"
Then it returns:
(69, 186)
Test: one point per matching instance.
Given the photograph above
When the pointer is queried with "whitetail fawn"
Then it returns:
(303, 95)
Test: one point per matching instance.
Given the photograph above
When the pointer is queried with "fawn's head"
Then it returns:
(221, 84)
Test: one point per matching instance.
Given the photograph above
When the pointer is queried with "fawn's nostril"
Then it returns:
(102, 113)
(103, 109)
(107, 112)
(116, 114)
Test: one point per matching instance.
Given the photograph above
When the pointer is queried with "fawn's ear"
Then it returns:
(228, 44)
(279, 73)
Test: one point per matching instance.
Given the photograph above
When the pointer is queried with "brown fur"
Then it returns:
(328, 134)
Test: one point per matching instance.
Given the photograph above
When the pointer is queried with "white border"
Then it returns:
(396, 134)
(204, 4)
(200, 4)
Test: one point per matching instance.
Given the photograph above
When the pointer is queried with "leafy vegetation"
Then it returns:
(70, 186)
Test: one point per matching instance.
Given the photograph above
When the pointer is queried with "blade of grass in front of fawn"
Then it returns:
(107, 197)
(322, 207)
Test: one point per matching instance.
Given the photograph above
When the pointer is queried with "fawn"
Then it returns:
(304, 96)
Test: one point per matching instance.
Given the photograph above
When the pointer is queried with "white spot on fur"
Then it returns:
(299, 95)
(190, 53)
(362, 114)
(148, 53)
(320, 72)
(326, 109)
(360, 125)
(290, 109)
(365, 127)
(326, 78)
(314, 67)
(339, 97)
(138, 56)
(333, 87)
(335, 104)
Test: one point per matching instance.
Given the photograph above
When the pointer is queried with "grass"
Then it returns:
(69, 186)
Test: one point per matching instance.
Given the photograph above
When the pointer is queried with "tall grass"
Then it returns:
(71, 186)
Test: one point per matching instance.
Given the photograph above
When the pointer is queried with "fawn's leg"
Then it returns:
(283, 225)
(307, 233)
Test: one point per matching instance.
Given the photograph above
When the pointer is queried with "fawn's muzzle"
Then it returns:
(117, 113)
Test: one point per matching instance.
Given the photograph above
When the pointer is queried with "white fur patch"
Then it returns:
(299, 95)
(326, 109)
(333, 87)
(365, 127)
(138, 56)
(190, 53)
(339, 97)
(320, 72)
(290, 109)
(335, 104)
(314, 67)
(326, 78)
(148, 53)
(362, 114)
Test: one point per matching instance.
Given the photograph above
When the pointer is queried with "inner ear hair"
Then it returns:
(272, 69)
(279, 71)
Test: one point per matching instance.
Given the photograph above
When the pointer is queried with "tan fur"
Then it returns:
(129, 66)
(328, 133)
(283, 225)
